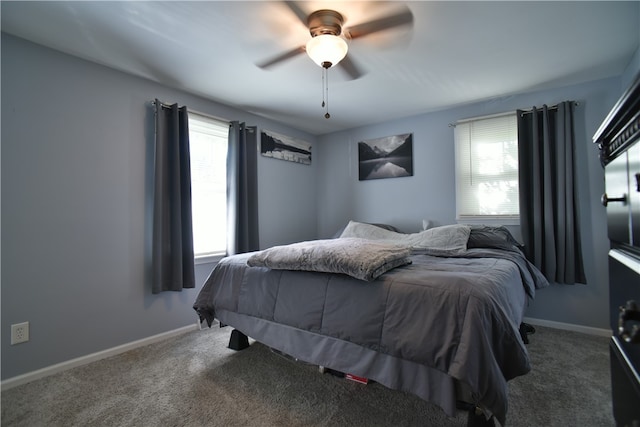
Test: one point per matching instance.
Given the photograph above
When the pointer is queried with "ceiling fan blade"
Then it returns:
(282, 57)
(361, 30)
(350, 68)
(297, 10)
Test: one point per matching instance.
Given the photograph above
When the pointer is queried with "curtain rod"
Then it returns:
(162, 104)
(553, 107)
(471, 119)
(167, 105)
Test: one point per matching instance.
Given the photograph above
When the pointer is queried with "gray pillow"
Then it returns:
(384, 226)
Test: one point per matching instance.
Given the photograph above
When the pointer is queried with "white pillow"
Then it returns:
(447, 238)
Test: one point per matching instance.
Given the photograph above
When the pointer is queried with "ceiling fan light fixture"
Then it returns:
(327, 50)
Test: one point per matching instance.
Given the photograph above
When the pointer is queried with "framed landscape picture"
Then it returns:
(388, 157)
(284, 147)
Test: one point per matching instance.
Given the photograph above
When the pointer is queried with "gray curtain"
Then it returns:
(172, 246)
(242, 189)
(549, 192)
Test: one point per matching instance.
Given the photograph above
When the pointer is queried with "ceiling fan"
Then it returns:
(327, 46)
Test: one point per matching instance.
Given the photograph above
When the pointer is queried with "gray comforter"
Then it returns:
(444, 328)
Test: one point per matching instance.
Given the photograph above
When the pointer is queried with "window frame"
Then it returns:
(208, 257)
(489, 219)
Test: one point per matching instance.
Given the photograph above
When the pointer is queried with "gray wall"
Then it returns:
(430, 193)
(75, 214)
(633, 68)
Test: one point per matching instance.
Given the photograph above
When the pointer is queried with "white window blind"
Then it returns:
(208, 139)
(486, 155)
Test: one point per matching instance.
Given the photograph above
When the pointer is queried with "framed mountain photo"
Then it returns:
(284, 147)
(388, 157)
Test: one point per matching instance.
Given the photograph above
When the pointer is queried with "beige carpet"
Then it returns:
(194, 380)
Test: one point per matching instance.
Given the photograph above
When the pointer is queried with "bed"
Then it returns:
(437, 315)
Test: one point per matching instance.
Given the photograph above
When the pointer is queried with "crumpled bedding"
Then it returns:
(457, 317)
(445, 240)
(359, 258)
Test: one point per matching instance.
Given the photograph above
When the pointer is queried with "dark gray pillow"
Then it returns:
(493, 237)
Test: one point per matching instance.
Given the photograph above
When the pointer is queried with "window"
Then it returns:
(208, 140)
(487, 170)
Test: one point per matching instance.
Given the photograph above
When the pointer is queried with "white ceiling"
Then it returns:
(455, 52)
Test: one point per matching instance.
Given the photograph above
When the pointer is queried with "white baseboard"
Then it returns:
(83, 360)
(569, 327)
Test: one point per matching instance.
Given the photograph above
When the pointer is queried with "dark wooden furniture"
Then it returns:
(619, 141)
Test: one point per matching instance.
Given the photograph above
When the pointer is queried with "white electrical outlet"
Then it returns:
(19, 333)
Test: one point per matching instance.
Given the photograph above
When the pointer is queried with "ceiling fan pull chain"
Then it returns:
(326, 114)
(323, 71)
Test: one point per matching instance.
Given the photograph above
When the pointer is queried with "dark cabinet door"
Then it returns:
(624, 274)
(624, 281)
(616, 199)
(625, 388)
(634, 191)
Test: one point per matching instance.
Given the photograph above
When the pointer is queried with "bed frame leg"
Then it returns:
(476, 418)
(238, 340)
(526, 330)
